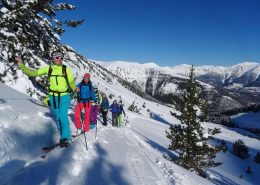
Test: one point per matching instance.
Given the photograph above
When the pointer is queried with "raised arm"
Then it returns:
(31, 72)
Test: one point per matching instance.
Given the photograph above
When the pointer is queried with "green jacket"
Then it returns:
(98, 97)
(59, 84)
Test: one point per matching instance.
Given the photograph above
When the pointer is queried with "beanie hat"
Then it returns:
(57, 54)
(87, 75)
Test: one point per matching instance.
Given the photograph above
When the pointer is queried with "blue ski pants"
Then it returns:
(61, 115)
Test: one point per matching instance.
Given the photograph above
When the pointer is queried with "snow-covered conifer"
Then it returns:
(189, 138)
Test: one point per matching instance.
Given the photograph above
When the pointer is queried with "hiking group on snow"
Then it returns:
(62, 89)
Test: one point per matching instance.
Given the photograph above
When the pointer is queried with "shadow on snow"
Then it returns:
(103, 171)
(157, 146)
(16, 171)
(159, 118)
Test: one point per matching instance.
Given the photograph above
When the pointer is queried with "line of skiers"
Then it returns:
(117, 110)
(91, 100)
(62, 88)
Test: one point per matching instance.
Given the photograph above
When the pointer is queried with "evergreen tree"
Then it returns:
(257, 158)
(188, 137)
(202, 102)
(30, 28)
(249, 170)
(240, 149)
(32, 25)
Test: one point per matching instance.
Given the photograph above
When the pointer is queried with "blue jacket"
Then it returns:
(114, 108)
(86, 93)
(104, 104)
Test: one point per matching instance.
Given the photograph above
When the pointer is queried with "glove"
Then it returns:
(46, 101)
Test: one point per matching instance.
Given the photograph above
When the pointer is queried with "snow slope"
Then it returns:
(119, 156)
(232, 166)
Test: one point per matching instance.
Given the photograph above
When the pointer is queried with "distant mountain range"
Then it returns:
(244, 74)
(228, 87)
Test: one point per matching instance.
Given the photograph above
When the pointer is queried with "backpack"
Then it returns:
(105, 103)
(64, 74)
(120, 109)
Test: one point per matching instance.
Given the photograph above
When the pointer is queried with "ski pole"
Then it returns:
(96, 132)
(85, 137)
(98, 114)
(125, 122)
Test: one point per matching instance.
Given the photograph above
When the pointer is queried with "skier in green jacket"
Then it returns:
(61, 83)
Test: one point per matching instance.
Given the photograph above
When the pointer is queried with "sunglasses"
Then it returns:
(58, 57)
(87, 78)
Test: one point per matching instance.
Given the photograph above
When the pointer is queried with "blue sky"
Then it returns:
(167, 32)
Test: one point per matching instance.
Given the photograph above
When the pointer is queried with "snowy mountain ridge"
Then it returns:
(227, 74)
(239, 82)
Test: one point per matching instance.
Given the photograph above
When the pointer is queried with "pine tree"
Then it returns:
(32, 25)
(240, 149)
(202, 100)
(249, 170)
(257, 158)
(188, 137)
(30, 28)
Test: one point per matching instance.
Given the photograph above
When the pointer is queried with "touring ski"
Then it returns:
(47, 149)
(76, 135)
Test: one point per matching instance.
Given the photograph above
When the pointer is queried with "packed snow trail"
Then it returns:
(123, 152)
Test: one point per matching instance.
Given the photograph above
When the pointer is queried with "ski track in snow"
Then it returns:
(153, 155)
(140, 167)
(140, 163)
(5, 107)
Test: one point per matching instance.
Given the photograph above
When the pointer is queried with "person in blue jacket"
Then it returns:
(85, 94)
(114, 108)
(104, 108)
